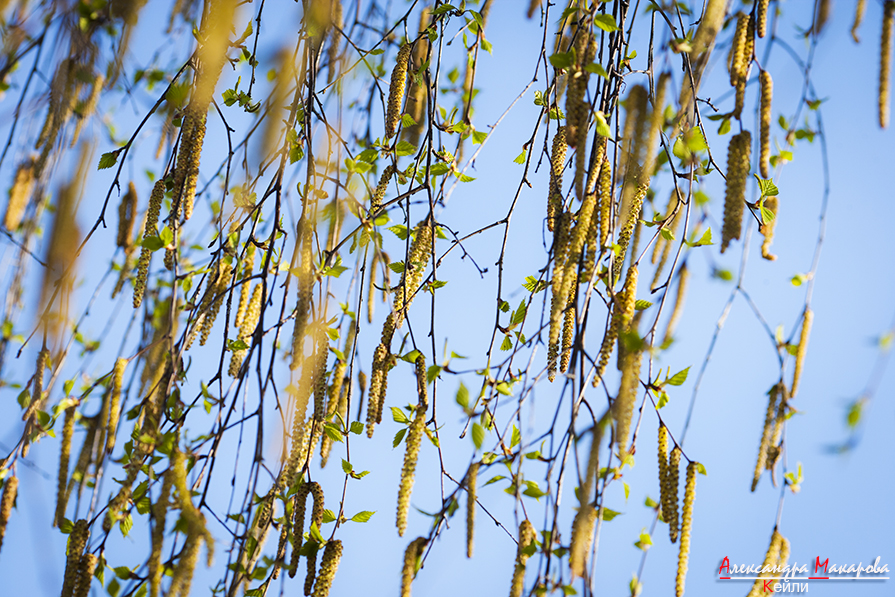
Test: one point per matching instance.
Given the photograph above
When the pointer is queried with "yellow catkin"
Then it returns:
(127, 215)
(19, 194)
(248, 263)
(338, 400)
(149, 229)
(37, 387)
(557, 165)
(738, 163)
(305, 290)
(686, 526)
(299, 506)
(68, 428)
(679, 300)
(215, 297)
(767, 92)
(415, 432)
(576, 110)
(249, 323)
(558, 301)
(656, 124)
(378, 387)
(737, 58)
(622, 312)
(396, 91)
(800, 351)
(114, 404)
(632, 137)
(761, 17)
(605, 190)
(10, 489)
(412, 556)
(79, 475)
(623, 407)
(885, 61)
(821, 16)
(860, 7)
(593, 463)
(86, 568)
(380, 190)
(335, 38)
(77, 542)
(322, 341)
(329, 563)
(710, 24)
(766, 433)
(527, 535)
(772, 556)
(784, 552)
(767, 230)
(582, 115)
(416, 96)
(632, 218)
(568, 334)
(662, 249)
(159, 516)
(672, 479)
(533, 6)
(579, 234)
(663, 467)
(186, 172)
(582, 539)
(471, 478)
(88, 106)
(371, 287)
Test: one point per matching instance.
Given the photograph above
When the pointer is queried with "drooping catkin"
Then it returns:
(299, 508)
(86, 568)
(305, 290)
(738, 163)
(19, 194)
(338, 399)
(576, 109)
(686, 526)
(672, 478)
(396, 91)
(582, 539)
(767, 229)
(371, 286)
(471, 478)
(766, 433)
(558, 300)
(622, 312)
(37, 386)
(249, 323)
(771, 557)
(605, 190)
(416, 95)
(740, 59)
(380, 190)
(149, 229)
(68, 428)
(630, 156)
(821, 16)
(378, 387)
(582, 116)
(329, 563)
(415, 432)
(680, 297)
(159, 516)
(885, 61)
(632, 215)
(412, 556)
(111, 423)
(557, 165)
(800, 351)
(663, 247)
(784, 552)
(860, 7)
(568, 334)
(77, 542)
(767, 92)
(10, 489)
(527, 535)
(663, 466)
(127, 215)
(623, 406)
(761, 17)
(214, 299)
(533, 6)
(248, 263)
(335, 36)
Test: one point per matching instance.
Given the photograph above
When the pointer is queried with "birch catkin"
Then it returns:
(412, 555)
(111, 423)
(37, 387)
(767, 230)
(249, 323)
(149, 229)
(527, 536)
(329, 563)
(663, 467)
(767, 91)
(860, 7)
(766, 433)
(471, 477)
(10, 489)
(414, 436)
(738, 160)
(672, 478)
(582, 539)
(380, 190)
(885, 61)
(557, 165)
(248, 263)
(679, 299)
(86, 568)
(800, 351)
(127, 215)
(761, 18)
(772, 556)
(77, 542)
(159, 515)
(623, 407)
(19, 194)
(68, 428)
(622, 312)
(686, 526)
(396, 91)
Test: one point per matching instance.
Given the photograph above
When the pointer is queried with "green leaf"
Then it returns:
(650, 503)
(405, 148)
(519, 314)
(357, 427)
(700, 468)
(640, 305)
(606, 22)
(562, 60)
(362, 516)
(725, 127)
(479, 137)
(663, 400)
(494, 480)
(478, 435)
(602, 126)
(767, 216)
(122, 572)
(126, 524)
(767, 187)
(328, 516)
(507, 343)
(399, 416)
(66, 526)
(463, 396)
(609, 514)
(332, 432)
(152, 243)
(516, 437)
(399, 437)
(532, 490)
(397, 267)
(678, 378)
(705, 240)
(520, 159)
(347, 468)
(107, 160)
(166, 236)
(533, 285)
(597, 69)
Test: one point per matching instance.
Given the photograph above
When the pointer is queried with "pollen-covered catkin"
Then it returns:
(412, 555)
(37, 387)
(396, 91)
(885, 61)
(533, 6)
(299, 506)
(149, 229)
(114, 403)
(159, 516)
(622, 312)
(378, 387)
(860, 7)
(582, 539)
(767, 92)
(86, 568)
(761, 18)
(380, 190)
(686, 526)
(770, 559)
(663, 466)
(672, 478)
(623, 407)
(766, 432)
(605, 190)
(680, 297)
(821, 16)
(127, 215)
(77, 542)
(527, 535)
(248, 263)
(329, 563)
(784, 552)
(371, 286)
(568, 334)
(800, 351)
(19, 194)
(632, 218)
(249, 323)
(10, 489)
(772, 205)
(68, 428)
(557, 165)
(471, 477)
(738, 161)
(214, 299)
(414, 436)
